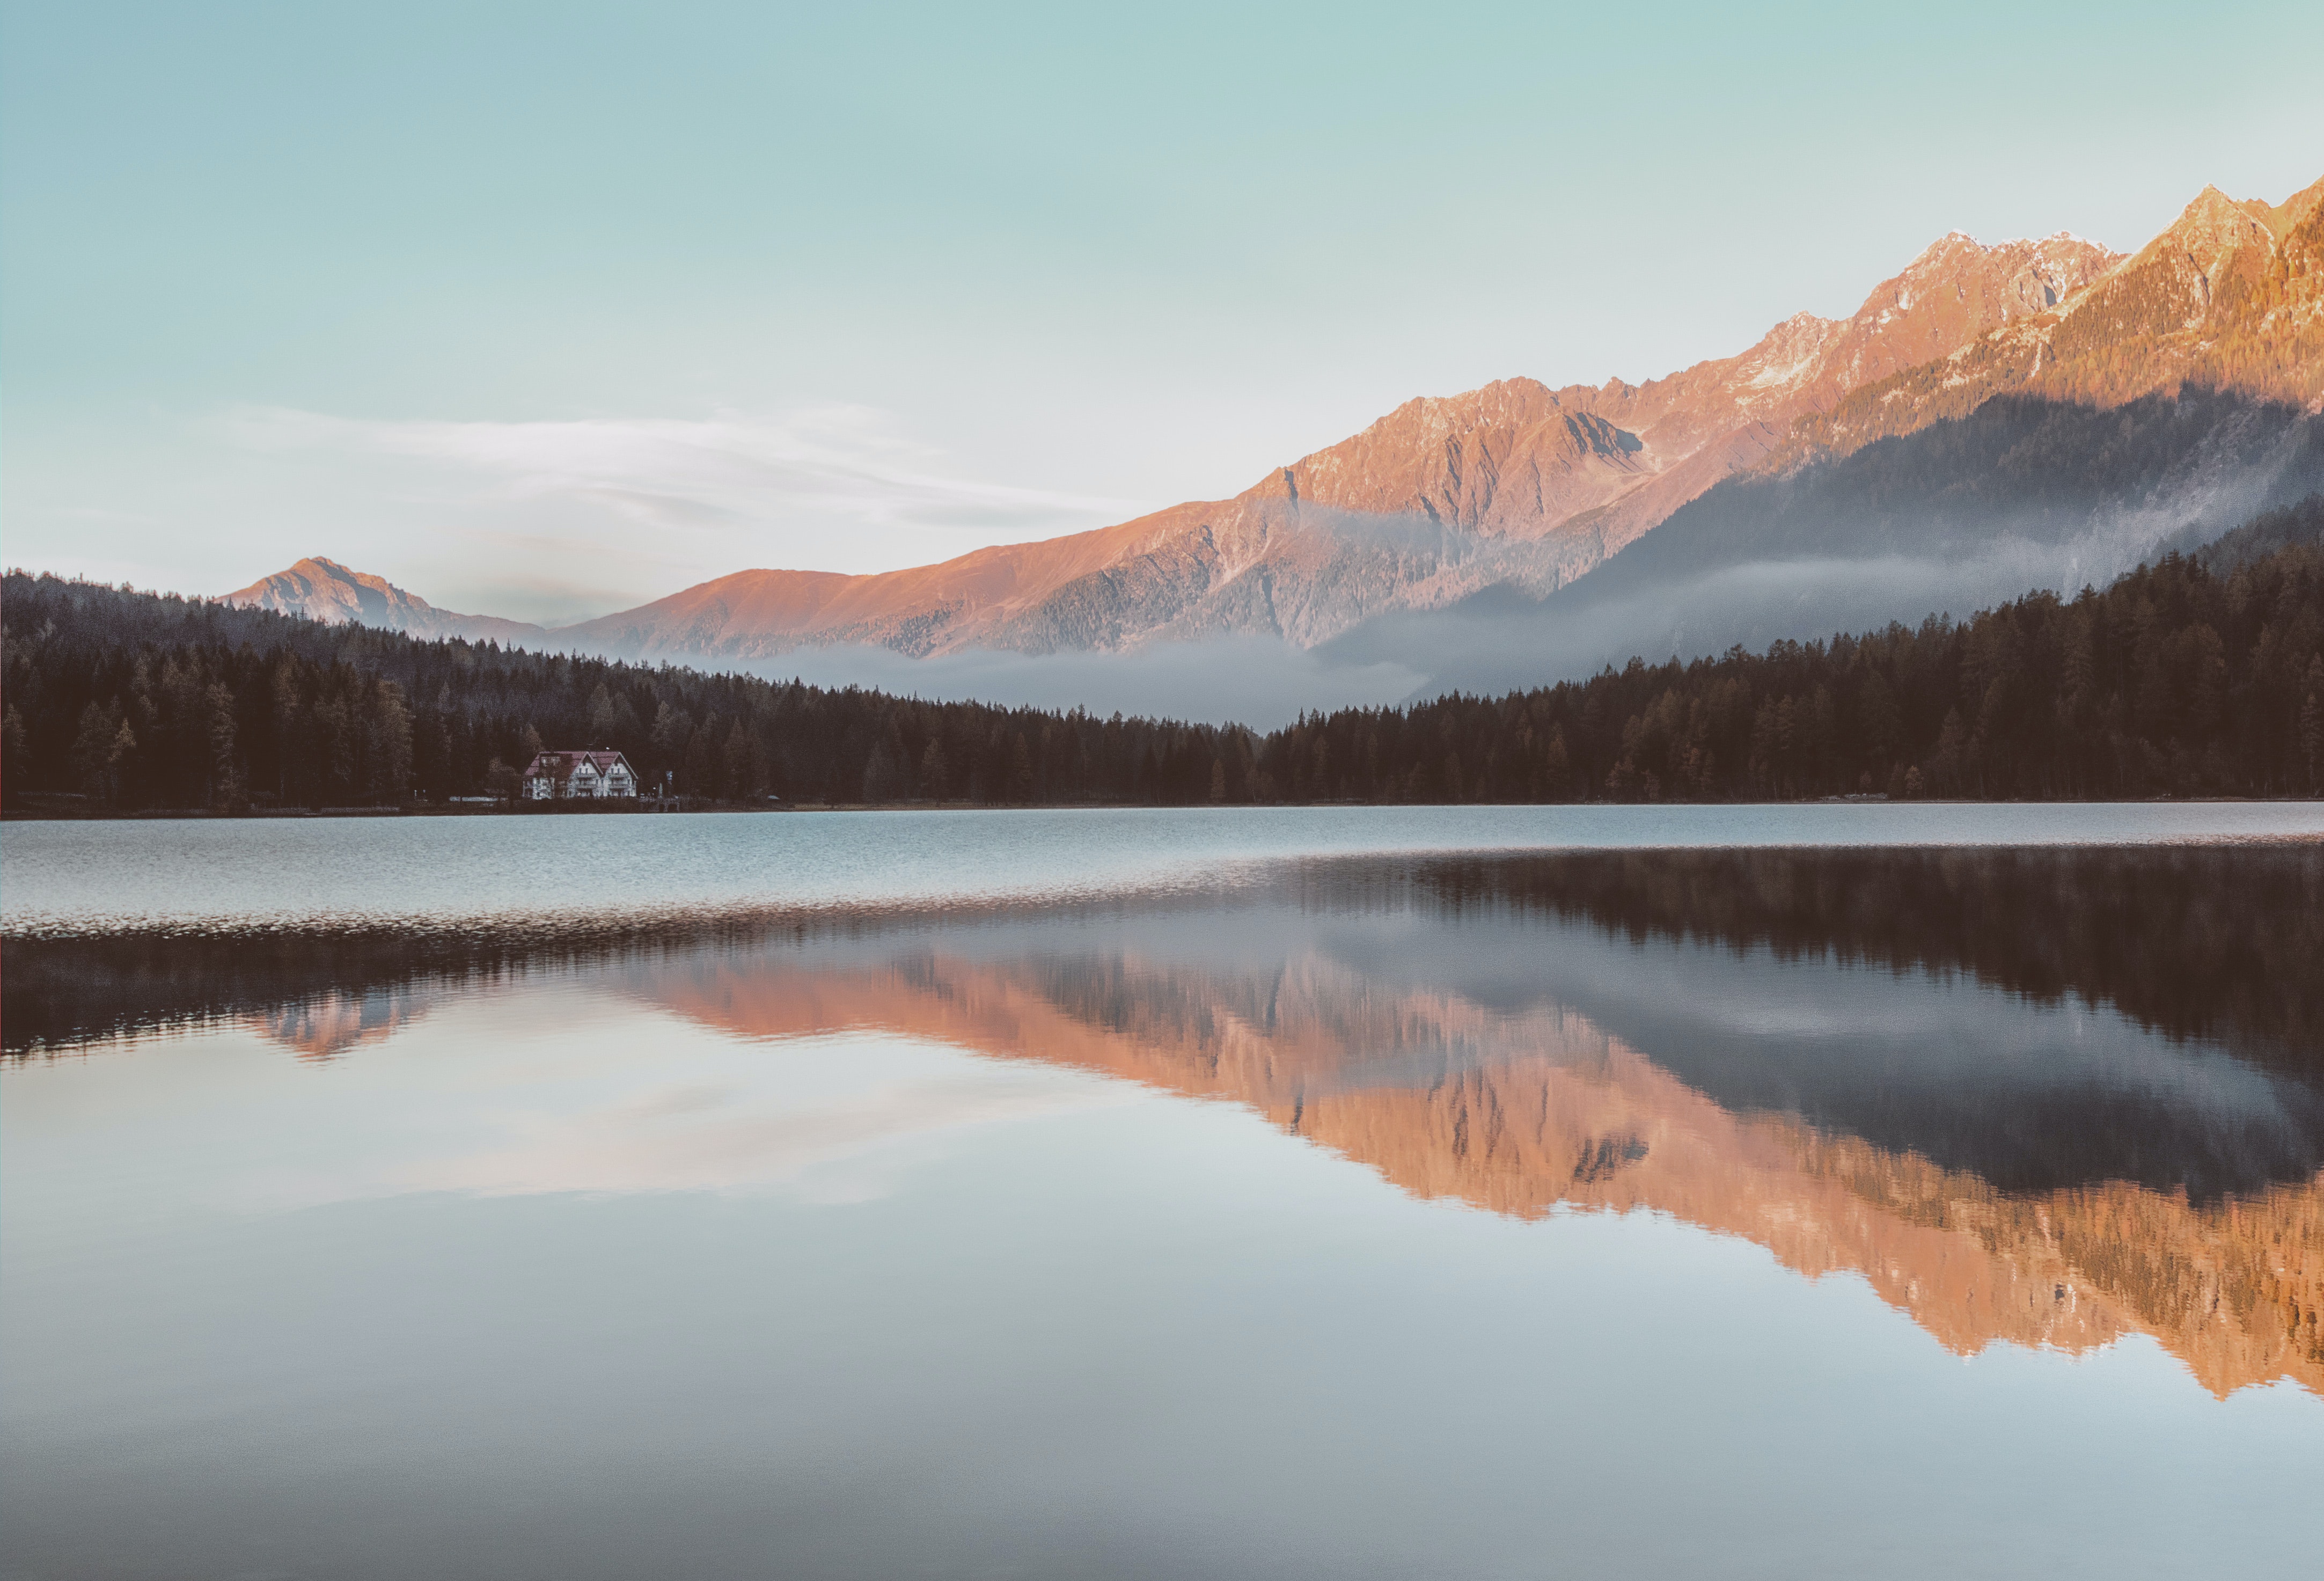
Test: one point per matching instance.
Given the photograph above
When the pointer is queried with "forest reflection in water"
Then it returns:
(2044, 1096)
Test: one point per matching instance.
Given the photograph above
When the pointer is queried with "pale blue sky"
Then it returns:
(545, 309)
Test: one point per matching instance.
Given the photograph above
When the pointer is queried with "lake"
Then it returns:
(1880, 1189)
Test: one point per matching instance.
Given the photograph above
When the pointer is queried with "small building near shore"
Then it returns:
(557, 776)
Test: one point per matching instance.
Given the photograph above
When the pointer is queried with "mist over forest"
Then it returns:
(2024, 494)
(2190, 676)
(2021, 494)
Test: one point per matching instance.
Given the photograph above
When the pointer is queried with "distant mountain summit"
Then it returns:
(325, 590)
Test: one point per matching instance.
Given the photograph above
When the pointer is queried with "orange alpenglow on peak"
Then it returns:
(2230, 296)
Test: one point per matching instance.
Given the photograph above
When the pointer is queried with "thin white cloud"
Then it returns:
(827, 465)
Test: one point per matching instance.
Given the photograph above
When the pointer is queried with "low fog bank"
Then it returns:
(1263, 682)
(2019, 497)
(1501, 640)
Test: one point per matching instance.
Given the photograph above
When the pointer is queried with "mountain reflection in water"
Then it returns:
(2042, 1096)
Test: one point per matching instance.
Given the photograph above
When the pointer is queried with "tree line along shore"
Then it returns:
(2194, 675)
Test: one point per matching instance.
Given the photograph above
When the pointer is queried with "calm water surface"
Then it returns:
(305, 872)
(1746, 1192)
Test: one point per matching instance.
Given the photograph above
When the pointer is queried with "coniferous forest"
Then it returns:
(2194, 675)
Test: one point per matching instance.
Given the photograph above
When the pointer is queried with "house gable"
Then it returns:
(555, 776)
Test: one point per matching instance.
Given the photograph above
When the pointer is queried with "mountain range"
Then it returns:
(1992, 418)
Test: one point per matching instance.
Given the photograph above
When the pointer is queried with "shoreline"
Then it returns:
(589, 809)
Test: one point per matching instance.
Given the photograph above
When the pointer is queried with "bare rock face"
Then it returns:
(2231, 297)
(1510, 460)
(326, 591)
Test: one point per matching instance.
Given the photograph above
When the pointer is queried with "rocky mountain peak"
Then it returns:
(1497, 459)
(2295, 211)
(1957, 289)
(2211, 225)
(2230, 296)
(324, 590)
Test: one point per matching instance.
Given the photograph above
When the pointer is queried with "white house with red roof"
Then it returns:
(555, 776)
